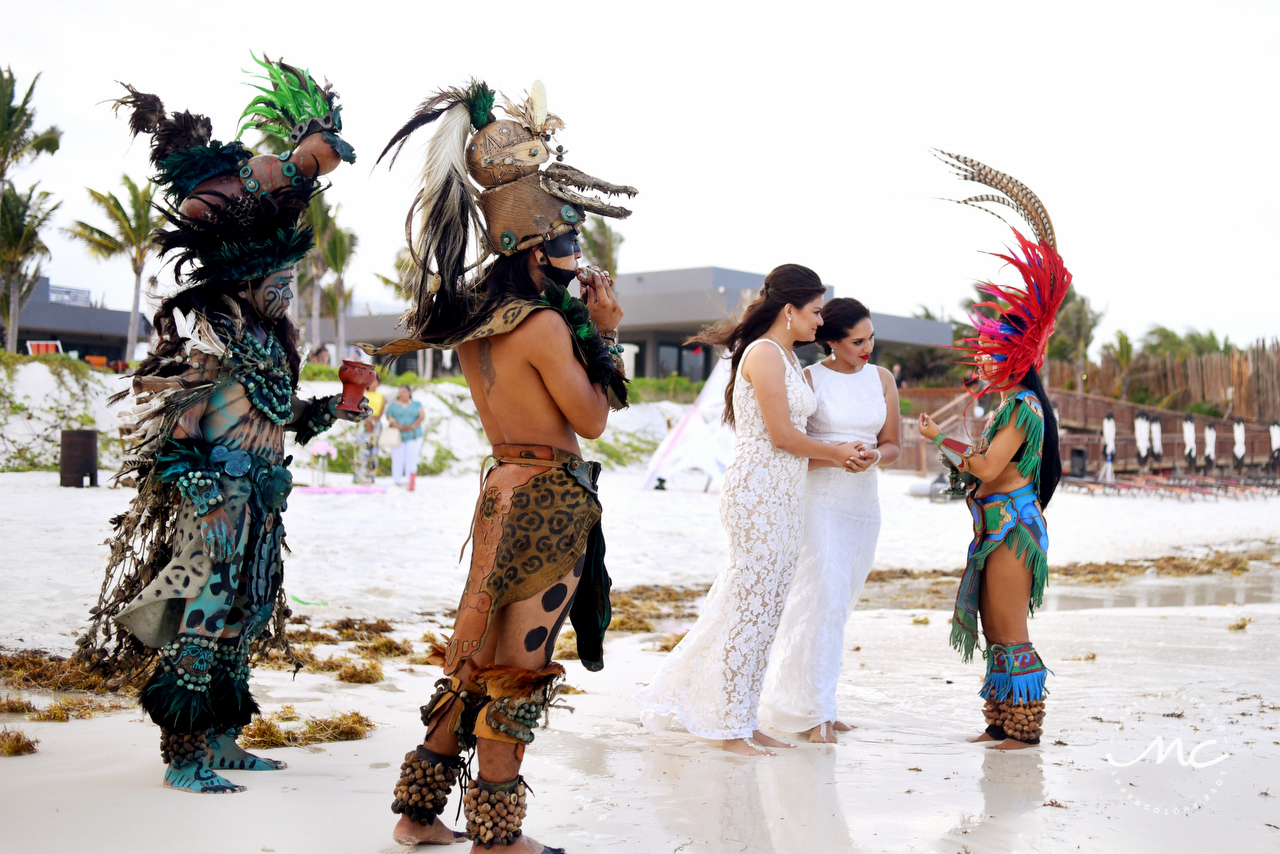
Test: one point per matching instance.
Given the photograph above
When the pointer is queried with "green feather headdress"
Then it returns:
(291, 104)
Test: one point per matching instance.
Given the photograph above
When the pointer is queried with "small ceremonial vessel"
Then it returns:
(356, 377)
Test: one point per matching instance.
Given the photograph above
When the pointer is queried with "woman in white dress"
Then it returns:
(712, 680)
(857, 402)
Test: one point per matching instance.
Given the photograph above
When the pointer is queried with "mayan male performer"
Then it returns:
(195, 572)
(1013, 470)
(544, 368)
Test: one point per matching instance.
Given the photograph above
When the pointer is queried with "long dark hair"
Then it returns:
(838, 317)
(208, 300)
(1050, 458)
(506, 276)
(789, 284)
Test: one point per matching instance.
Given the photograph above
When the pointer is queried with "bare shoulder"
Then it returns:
(544, 325)
(886, 378)
(763, 361)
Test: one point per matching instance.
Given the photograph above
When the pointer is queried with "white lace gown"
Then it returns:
(842, 524)
(712, 680)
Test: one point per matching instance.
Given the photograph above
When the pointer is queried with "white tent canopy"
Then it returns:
(700, 440)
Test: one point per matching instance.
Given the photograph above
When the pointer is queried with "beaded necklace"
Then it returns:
(263, 371)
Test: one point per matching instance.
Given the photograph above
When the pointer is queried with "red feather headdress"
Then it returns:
(1019, 335)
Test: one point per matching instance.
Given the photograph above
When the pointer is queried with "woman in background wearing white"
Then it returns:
(406, 415)
(857, 402)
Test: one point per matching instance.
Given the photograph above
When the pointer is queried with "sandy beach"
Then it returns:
(1166, 667)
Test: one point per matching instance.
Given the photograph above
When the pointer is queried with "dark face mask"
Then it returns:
(564, 246)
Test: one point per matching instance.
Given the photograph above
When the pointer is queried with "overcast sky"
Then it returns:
(758, 134)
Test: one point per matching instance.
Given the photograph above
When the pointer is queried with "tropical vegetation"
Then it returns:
(128, 234)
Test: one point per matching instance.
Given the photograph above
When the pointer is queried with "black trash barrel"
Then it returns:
(79, 457)
(1079, 462)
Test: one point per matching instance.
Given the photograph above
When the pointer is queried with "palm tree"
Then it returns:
(1122, 353)
(22, 218)
(18, 139)
(130, 235)
(338, 248)
(312, 269)
(601, 243)
(402, 284)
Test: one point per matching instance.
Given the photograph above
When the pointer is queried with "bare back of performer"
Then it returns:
(530, 389)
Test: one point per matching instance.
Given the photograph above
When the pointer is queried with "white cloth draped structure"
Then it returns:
(1108, 472)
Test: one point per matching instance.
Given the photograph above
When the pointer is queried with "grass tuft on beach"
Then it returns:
(385, 648)
(15, 706)
(35, 669)
(13, 742)
(264, 731)
(359, 630)
(77, 708)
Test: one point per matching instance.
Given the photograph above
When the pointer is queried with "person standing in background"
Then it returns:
(406, 415)
(367, 452)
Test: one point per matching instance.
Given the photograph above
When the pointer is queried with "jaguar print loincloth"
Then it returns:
(530, 530)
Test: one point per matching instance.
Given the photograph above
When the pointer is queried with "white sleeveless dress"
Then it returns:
(712, 680)
(842, 523)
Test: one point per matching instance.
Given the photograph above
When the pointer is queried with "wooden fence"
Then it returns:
(1240, 382)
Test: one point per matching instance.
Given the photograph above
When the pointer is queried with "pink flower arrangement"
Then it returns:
(319, 447)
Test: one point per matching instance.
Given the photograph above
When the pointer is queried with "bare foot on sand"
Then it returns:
(525, 844)
(409, 832)
(769, 741)
(983, 737)
(745, 747)
(823, 733)
(841, 726)
(1011, 744)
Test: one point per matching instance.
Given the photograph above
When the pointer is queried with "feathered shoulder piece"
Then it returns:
(240, 237)
(1017, 338)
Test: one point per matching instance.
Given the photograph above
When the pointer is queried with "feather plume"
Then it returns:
(538, 105)
(169, 133)
(194, 329)
(1017, 195)
(438, 226)
(1018, 336)
(527, 116)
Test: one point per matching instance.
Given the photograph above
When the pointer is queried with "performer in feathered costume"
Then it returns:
(543, 367)
(195, 571)
(1013, 470)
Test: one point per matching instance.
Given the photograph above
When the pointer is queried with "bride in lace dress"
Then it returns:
(712, 680)
(857, 401)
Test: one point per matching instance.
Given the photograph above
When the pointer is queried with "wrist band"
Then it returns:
(201, 489)
(937, 440)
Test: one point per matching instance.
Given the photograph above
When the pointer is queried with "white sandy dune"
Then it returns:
(904, 780)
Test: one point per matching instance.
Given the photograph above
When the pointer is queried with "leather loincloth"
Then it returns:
(531, 527)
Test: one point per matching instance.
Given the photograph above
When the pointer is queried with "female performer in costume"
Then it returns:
(857, 402)
(195, 572)
(713, 678)
(1013, 470)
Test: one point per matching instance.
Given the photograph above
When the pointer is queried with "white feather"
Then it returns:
(195, 331)
(538, 106)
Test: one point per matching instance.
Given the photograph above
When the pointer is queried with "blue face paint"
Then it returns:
(564, 246)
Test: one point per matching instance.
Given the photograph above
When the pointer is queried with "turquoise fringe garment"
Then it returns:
(1015, 674)
(1011, 518)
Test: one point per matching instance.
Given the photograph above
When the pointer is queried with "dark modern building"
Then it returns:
(662, 310)
(68, 315)
(665, 308)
